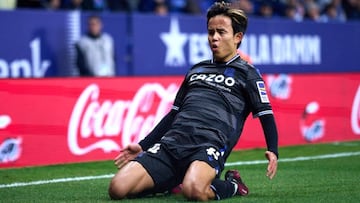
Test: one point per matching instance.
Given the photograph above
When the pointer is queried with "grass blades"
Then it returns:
(315, 180)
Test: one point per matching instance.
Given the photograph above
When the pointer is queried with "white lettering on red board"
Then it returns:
(355, 113)
(128, 120)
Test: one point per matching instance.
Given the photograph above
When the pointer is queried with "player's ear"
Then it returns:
(238, 37)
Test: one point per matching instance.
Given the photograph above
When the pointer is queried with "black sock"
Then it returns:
(223, 189)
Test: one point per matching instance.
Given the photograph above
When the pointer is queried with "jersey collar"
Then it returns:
(230, 61)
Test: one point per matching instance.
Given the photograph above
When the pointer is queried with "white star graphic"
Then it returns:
(174, 42)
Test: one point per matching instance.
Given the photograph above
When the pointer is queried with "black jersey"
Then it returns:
(213, 103)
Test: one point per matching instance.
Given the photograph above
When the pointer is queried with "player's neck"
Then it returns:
(227, 62)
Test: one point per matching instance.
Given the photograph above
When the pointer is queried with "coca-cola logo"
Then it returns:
(117, 123)
(355, 113)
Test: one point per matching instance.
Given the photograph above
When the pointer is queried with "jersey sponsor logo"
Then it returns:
(262, 92)
(215, 78)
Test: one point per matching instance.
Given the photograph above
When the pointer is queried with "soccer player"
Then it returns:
(190, 144)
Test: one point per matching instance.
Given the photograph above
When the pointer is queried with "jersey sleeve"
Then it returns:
(256, 89)
(180, 95)
(164, 125)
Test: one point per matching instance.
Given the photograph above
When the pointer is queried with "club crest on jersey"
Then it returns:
(262, 92)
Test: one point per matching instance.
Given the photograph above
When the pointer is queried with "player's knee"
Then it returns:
(116, 190)
(193, 192)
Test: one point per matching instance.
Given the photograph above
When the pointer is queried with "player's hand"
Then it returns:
(127, 154)
(272, 165)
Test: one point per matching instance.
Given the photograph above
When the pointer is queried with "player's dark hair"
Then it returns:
(238, 17)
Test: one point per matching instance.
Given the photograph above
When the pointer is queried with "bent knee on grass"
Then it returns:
(196, 184)
(118, 190)
(194, 190)
(129, 181)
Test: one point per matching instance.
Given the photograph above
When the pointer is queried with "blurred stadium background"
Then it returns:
(71, 127)
(307, 51)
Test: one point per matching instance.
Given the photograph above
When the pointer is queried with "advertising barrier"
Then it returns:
(64, 120)
(36, 44)
(151, 45)
(274, 46)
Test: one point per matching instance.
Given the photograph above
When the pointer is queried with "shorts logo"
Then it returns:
(154, 149)
(213, 153)
(262, 92)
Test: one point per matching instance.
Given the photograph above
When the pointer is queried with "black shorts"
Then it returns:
(168, 172)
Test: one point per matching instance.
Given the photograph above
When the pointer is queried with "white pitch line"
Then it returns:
(42, 182)
(301, 158)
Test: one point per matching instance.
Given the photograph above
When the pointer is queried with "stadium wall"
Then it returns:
(41, 44)
(63, 120)
(310, 69)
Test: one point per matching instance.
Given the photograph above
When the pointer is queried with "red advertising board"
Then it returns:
(64, 120)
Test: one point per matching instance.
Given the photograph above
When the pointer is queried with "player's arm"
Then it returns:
(126, 154)
(134, 149)
(270, 132)
(131, 151)
(271, 136)
(160, 129)
(164, 125)
(262, 109)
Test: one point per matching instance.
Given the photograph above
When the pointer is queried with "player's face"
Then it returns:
(222, 41)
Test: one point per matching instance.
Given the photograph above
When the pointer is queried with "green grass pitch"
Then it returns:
(324, 173)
